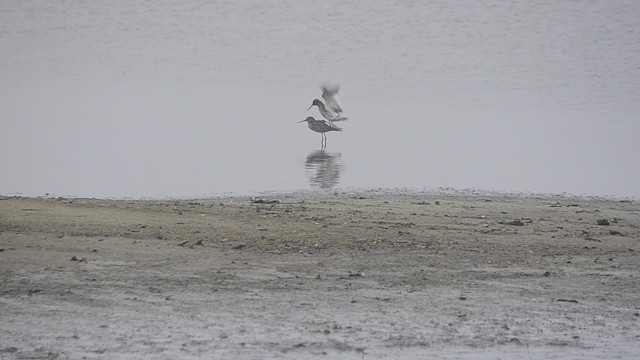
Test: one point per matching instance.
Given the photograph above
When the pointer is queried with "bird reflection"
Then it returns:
(323, 169)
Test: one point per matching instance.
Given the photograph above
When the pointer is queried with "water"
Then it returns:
(199, 98)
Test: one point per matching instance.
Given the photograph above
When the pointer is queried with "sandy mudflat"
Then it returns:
(360, 276)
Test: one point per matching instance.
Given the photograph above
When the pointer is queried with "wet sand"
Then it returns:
(359, 275)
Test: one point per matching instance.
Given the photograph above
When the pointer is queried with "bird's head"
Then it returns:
(316, 102)
(308, 119)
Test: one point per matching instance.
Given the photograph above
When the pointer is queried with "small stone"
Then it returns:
(568, 300)
(515, 340)
(603, 222)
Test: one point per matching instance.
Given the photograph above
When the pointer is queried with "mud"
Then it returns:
(351, 275)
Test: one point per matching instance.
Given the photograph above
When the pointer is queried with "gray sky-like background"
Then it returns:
(198, 98)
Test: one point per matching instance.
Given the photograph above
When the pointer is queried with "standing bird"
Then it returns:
(330, 109)
(322, 127)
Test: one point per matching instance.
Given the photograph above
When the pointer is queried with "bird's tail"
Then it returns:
(342, 118)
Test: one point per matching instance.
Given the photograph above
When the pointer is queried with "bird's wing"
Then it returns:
(328, 114)
(331, 126)
(324, 126)
(330, 96)
(340, 118)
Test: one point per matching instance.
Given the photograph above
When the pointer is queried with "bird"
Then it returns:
(330, 109)
(326, 113)
(320, 126)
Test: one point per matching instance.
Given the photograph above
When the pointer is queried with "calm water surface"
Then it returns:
(198, 98)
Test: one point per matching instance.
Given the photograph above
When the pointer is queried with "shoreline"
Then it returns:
(345, 192)
(350, 275)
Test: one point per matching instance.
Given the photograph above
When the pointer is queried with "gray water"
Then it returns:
(200, 98)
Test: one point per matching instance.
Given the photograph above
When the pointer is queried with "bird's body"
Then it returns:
(320, 126)
(326, 113)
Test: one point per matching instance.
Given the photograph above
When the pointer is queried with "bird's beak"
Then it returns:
(310, 107)
(302, 121)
